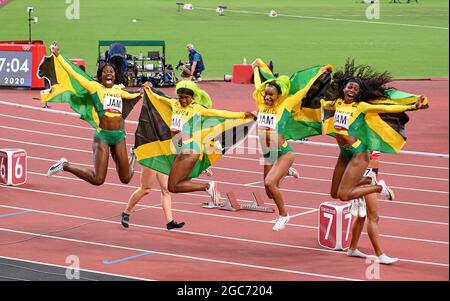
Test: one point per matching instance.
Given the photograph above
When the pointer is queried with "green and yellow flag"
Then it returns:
(384, 132)
(306, 119)
(153, 141)
(64, 88)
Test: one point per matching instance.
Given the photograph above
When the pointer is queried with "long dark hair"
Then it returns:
(100, 70)
(371, 83)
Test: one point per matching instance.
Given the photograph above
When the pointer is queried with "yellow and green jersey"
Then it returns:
(275, 118)
(292, 116)
(91, 100)
(183, 118)
(376, 123)
(215, 130)
(107, 101)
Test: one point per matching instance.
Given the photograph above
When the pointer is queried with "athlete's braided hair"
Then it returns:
(371, 83)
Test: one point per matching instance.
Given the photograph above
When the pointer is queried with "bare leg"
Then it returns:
(339, 170)
(267, 168)
(357, 228)
(178, 176)
(372, 225)
(273, 178)
(98, 175)
(372, 222)
(148, 177)
(166, 200)
(348, 187)
(120, 157)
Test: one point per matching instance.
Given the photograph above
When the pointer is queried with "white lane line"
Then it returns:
(201, 213)
(240, 147)
(230, 217)
(179, 255)
(197, 233)
(332, 19)
(84, 270)
(254, 186)
(48, 122)
(381, 173)
(238, 184)
(44, 133)
(253, 183)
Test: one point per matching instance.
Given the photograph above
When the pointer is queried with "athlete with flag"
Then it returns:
(364, 115)
(285, 113)
(149, 176)
(103, 104)
(181, 138)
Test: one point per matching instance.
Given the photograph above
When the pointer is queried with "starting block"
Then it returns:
(231, 204)
(13, 166)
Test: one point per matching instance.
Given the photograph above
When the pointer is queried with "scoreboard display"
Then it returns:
(19, 63)
(15, 68)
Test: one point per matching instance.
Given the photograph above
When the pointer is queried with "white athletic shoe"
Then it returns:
(384, 259)
(280, 222)
(374, 181)
(386, 191)
(57, 167)
(354, 207)
(355, 253)
(214, 193)
(292, 172)
(362, 211)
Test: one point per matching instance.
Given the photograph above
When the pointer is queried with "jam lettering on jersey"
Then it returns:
(112, 103)
(267, 121)
(341, 120)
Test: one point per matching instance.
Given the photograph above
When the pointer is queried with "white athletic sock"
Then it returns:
(384, 259)
(356, 253)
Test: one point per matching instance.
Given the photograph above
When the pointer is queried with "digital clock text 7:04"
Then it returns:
(15, 68)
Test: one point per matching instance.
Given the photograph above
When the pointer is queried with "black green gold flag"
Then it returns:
(64, 88)
(384, 132)
(306, 119)
(153, 142)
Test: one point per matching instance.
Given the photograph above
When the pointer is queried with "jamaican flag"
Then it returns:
(384, 132)
(64, 88)
(153, 141)
(305, 120)
(262, 72)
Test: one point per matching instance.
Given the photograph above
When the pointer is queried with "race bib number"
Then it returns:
(267, 121)
(176, 124)
(341, 120)
(112, 104)
(368, 172)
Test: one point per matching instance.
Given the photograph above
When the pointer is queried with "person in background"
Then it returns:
(148, 177)
(359, 206)
(195, 66)
(117, 56)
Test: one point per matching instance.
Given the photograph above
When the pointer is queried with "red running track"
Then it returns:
(63, 216)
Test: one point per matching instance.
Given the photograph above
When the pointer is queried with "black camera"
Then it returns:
(180, 63)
